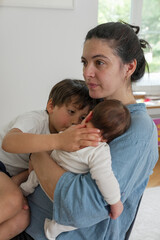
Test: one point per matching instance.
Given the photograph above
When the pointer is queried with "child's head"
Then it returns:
(112, 118)
(72, 90)
(68, 104)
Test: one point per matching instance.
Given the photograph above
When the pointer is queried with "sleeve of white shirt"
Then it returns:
(101, 171)
(31, 122)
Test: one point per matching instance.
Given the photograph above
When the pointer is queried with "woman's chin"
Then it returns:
(96, 95)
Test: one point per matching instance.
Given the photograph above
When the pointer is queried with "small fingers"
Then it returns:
(85, 143)
(90, 130)
(113, 216)
(82, 128)
(92, 137)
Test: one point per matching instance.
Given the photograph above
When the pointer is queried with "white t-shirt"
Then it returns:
(97, 160)
(36, 122)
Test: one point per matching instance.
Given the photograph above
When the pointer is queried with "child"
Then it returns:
(68, 103)
(113, 119)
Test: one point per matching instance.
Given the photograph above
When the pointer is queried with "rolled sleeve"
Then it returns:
(78, 202)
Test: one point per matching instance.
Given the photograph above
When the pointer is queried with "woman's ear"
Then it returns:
(50, 106)
(130, 68)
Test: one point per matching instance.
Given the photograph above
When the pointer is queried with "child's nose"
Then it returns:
(76, 121)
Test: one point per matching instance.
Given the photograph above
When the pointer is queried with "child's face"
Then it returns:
(62, 117)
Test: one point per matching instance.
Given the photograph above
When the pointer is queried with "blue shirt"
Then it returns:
(77, 200)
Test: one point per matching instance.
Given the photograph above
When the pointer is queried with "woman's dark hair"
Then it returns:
(123, 39)
(69, 90)
(112, 118)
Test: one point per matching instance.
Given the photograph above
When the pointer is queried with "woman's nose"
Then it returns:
(88, 71)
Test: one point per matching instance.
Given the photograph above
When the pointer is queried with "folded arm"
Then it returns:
(83, 205)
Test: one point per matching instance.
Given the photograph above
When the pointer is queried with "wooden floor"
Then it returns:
(155, 177)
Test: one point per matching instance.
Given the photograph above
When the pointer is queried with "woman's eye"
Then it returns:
(84, 63)
(98, 62)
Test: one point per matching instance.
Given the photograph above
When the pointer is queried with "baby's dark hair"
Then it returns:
(69, 90)
(123, 39)
(112, 118)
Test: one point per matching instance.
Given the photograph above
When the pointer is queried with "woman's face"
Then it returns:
(103, 71)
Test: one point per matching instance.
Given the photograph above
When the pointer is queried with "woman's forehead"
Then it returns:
(94, 48)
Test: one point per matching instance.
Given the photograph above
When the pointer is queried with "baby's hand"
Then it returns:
(116, 210)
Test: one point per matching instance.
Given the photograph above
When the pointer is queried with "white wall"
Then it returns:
(38, 48)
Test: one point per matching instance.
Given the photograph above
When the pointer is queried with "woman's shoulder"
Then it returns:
(142, 128)
(141, 123)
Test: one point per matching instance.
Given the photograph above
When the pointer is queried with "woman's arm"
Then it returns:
(47, 171)
(78, 201)
(73, 190)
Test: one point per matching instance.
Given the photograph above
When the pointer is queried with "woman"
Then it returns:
(112, 59)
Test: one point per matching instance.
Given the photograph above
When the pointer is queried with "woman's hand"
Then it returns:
(77, 137)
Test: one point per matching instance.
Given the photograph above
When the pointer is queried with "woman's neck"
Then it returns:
(128, 100)
(126, 97)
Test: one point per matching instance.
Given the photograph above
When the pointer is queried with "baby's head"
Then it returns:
(111, 117)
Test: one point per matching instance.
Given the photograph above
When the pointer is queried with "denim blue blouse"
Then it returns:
(77, 200)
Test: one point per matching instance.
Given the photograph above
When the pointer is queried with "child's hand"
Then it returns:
(116, 210)
(77, 137)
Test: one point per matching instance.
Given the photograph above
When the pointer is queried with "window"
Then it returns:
(146, 14)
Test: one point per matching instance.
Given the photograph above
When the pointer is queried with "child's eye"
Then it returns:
(71, 111)
(82, 118)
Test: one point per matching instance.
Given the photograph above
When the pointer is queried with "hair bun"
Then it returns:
(136, 29)
(144, 44)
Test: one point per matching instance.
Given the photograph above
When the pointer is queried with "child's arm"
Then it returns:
(71, 139)
(17, 141)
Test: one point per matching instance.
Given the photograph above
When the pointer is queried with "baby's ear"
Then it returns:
(89, 116)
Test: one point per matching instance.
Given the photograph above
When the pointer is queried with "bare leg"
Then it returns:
(15, 225)
(12, 215)
(11, 198)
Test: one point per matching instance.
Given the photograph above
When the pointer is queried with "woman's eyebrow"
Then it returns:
(97, 56)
